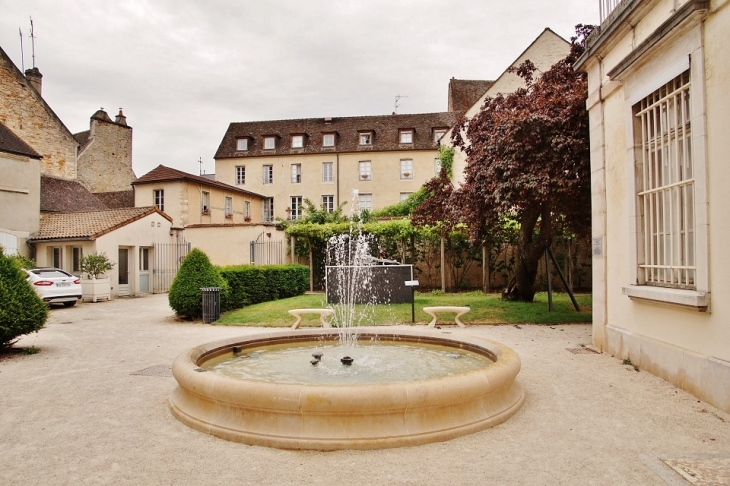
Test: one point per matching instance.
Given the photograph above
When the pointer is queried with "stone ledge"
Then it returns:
(687, 298)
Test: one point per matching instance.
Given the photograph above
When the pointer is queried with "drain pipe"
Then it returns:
(338, 178)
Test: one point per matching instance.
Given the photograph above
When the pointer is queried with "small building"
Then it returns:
(658, 74)
(219, 219)
(139, 241)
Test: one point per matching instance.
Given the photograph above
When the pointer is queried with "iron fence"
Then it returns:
(166, 260)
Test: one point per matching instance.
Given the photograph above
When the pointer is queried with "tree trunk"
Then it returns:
(486, 274)
(443, 265)
(529, 252)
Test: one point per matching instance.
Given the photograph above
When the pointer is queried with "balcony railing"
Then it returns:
(606, 7)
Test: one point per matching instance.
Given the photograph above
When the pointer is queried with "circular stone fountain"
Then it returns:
(346, 416)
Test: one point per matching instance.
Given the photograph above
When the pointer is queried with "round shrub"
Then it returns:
(196, 272)
(21, 310)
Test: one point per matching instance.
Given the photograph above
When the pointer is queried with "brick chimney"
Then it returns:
(35, 78)
(120, 118)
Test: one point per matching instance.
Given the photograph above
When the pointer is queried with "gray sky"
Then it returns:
(183, 69)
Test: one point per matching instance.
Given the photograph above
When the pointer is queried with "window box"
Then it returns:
(206, 212)
(229, 216)
(364, 177)
(406, 174)
(247, 219)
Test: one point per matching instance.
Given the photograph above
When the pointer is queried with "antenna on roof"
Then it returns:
(397, 99)
(200, 161)
(22, 54)
(32, 40)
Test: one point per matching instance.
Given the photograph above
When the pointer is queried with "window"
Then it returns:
(144, 259)
(665, 187)
(76, 254)
(241, 144)
(328, 203)
(436, 166)
(205, 202)
(406, 136)
(296, 207)
(328, 140)
(268, 174)
(247, 210)
(269, 143)
(326, 171)
(366, 139)
(365, 171)
(437, 134)
(406, 169)
(240, 175)
(365, 201)
(404, 195)
(56, 257)
(229, 207)
(159, 197)
(296, 173)
(268, 210)
(297, 141)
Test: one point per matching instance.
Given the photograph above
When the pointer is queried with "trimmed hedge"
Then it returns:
(196, 272)
(21, 310)
(249, 284)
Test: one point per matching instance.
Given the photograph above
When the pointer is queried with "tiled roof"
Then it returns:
(61, 195)
(385, 134)
(89, 225)
(82, 137)
(12, 144)
(167, 174)
(463, 93)
(117, 199)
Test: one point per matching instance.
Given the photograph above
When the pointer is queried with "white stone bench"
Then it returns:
(323, 315)
(432, 311)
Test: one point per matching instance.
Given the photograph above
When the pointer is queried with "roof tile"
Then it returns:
(89, 224)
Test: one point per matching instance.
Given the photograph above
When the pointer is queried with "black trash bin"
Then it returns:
(211, 303)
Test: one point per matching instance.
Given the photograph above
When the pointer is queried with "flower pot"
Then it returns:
(95, 289)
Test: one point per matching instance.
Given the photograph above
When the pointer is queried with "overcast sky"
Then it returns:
(182, 70)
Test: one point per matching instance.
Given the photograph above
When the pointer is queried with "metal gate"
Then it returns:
(166, 260)
(267, 252)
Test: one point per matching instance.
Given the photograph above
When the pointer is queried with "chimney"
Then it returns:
(327, 120)
(120, 118)
(35, 78)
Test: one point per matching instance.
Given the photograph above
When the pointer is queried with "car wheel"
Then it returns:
(69, 304)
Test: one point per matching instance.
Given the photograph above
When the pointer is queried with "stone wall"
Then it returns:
(105, 161)
(24, 112)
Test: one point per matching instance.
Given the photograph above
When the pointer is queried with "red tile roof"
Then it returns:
(167, 174)
(89, 225)
(385, 130)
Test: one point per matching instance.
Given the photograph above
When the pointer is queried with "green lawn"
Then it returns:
(489, 309)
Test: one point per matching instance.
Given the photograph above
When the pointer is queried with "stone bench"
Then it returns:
(323, 315)
(432, 311)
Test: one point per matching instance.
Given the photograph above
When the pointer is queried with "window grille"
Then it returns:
(666, 191)
(296, 207)
(326, 171)
(240, 175)
(328, 203)
(268, 174)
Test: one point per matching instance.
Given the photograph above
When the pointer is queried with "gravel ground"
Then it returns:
(78, 412)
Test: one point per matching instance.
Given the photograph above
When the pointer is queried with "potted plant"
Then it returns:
(247, 219)
(96, 285)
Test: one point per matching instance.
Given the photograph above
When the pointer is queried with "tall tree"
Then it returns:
(528, 157)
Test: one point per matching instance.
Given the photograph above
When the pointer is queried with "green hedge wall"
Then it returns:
(249, 284)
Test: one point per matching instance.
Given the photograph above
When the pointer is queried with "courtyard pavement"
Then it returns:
(92, 408)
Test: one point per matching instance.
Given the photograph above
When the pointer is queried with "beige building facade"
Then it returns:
(20, 192)
(658, 74)
(547, 49)
(383, 158)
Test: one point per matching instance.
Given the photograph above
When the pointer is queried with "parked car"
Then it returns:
(55, 286)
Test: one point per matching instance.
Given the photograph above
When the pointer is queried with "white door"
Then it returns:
(144, 270)
(123, 267)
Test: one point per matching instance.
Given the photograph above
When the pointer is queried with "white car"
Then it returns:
(55, 286)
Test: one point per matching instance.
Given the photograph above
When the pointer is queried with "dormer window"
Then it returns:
(241, 144)
(297, 141)
(438, 133)
(366, 138)
(406, 136)
(328, 140)
(269, 143)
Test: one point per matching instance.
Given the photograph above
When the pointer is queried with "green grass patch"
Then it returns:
(485, 309)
